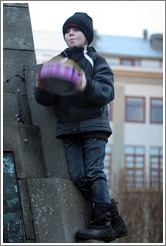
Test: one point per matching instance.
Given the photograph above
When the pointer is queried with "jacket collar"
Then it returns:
(76, 52)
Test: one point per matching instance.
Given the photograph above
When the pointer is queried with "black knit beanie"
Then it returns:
(83, 22)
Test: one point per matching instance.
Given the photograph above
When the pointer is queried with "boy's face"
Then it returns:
(74, 37)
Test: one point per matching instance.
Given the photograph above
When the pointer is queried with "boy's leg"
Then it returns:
(107, 223)
(75, 162)
(94, 154)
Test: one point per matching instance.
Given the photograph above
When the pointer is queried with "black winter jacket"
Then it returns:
(85, 111)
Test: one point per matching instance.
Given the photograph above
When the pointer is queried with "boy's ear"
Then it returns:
(86, 41)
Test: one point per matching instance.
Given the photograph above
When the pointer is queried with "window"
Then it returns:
(137, 63)
(156, 110)
(127, 62)
(135, 109)
(134, 166)
(130, 62)
(156, 167)
(107, 163)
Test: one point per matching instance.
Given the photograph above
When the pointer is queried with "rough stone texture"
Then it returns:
(10, 105)
(28, 155)
(57, 210)
(14, 104)
(26, 208)
(16, 20)
(13, 63)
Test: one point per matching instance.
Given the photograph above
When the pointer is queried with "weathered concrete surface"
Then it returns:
(16, 21)
(57, 210)
(13, 63)
(26, 208)
(11, 104)
(28, 154)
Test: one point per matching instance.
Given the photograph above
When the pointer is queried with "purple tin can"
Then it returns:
(60, 75)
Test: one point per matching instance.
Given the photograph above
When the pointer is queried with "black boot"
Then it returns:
(117, 222)
(101, 228)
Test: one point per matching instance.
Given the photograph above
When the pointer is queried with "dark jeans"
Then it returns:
(85, 159)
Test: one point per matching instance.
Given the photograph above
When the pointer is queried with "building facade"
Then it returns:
(137, 122)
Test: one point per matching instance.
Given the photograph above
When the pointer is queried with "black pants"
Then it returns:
(85, 159)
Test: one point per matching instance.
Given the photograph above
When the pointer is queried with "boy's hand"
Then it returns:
(82, 83)
(40, 84)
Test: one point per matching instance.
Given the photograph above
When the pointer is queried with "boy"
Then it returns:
(83, 125)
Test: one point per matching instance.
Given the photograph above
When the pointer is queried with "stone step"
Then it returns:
(58, 209)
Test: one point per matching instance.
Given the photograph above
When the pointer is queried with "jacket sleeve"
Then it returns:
(45, 98)
(100, 88)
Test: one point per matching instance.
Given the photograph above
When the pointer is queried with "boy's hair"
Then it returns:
(83, 22)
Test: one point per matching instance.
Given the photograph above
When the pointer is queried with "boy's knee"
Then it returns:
(79, 180)
(95, 175)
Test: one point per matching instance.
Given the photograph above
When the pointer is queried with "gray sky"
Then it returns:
(122, 18)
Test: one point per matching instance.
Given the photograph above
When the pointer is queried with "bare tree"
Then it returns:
(143, 212)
